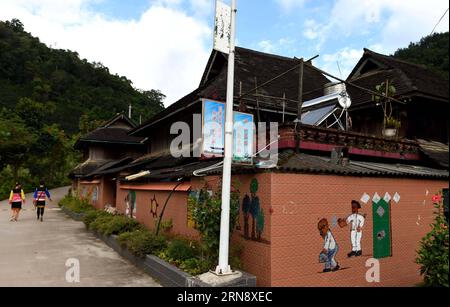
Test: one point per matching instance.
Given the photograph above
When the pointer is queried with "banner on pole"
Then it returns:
(243, 138)
(213, 128)
(222, 27)
(213, 131)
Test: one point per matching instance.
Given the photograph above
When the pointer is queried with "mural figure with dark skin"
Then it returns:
(254, 212)
(254, 206)
(356, 222)
(246, 210)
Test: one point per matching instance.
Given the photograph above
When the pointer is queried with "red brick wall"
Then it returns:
(255, 255)
(299, 201)
(293, 204)
(176, 209)
(88, 188)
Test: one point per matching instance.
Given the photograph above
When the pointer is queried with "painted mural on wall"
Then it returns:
(355, 222)
(330, 247)
(154, 205)
(130, 204)
(251, 209)
(95, 194)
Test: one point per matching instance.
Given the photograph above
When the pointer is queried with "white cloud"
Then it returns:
(266, 46)
(380, 25)
(341, 63)
(163, 49)
(397, 23)
(282, 45)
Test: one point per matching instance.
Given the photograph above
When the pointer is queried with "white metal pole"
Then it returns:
(223, 267)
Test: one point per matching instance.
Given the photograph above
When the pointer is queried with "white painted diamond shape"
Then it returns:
(397, 198)
(376, 198)
(381, 211)
(365, 198)
(387, 197)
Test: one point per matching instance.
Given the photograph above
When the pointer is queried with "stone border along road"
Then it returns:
(34, 254)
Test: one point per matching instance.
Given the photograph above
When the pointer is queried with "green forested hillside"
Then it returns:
(431, 51)
(46, 97)
(64, 83)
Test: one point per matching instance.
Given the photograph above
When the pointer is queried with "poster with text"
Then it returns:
(243, 137)
(213, 128)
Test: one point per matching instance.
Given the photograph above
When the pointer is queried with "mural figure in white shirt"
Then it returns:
(330, 248)
(356, 222)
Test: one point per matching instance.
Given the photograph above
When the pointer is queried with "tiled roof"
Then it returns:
(303, 163)
(409, 79)
(86, 168)
(250, 65)
(436, 151)
(103, 169)
(110, 135)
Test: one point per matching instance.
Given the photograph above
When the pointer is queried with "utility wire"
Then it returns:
(432, 32)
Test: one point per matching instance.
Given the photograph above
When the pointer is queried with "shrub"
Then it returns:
(142, 242)
(101, 223)
(180, 250)
(119, 225)
(91, 216)
(76, 205)
(206, 212)
(195, 266)
(433, 254)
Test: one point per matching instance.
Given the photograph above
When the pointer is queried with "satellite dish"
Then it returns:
(344, 100)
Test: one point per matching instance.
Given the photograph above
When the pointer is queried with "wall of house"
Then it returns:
(256, 252)
(93, 191)
(149, 205)
(287, 252)
(300, 201)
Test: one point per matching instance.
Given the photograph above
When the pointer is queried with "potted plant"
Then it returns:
(384, 91)
(391, 126)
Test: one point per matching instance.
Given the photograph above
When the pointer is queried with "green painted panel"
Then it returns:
(381, 230)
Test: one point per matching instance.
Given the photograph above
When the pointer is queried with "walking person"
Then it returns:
(40, 196)
(330, 248)
(16, 199)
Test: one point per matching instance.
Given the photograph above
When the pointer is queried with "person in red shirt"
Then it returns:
(16, 199)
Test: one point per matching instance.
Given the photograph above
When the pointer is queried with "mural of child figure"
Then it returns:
(330, 247)
(356, 222)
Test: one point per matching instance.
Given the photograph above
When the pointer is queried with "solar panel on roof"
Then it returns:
(316, 117)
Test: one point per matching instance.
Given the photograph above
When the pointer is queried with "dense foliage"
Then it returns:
(48, 97)
(431, 51)
(206, 208)
(433, 255)
(60, 79)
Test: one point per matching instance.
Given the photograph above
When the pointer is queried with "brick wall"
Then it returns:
(293, 204)
(300, 201)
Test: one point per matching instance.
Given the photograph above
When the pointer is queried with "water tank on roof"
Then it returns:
(334, 88)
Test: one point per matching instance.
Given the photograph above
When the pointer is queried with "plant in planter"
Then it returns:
(206, 213)
(386, 90)
(391, 126)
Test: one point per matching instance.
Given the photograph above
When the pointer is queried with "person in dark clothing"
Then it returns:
(40, 196)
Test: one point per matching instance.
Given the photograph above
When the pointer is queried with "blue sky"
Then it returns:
(165, 44)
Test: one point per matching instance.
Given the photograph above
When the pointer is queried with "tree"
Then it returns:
(431, 51)
(73, 86)
(16, 141)
(34, 114)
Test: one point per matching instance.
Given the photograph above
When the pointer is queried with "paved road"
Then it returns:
(35, 254)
